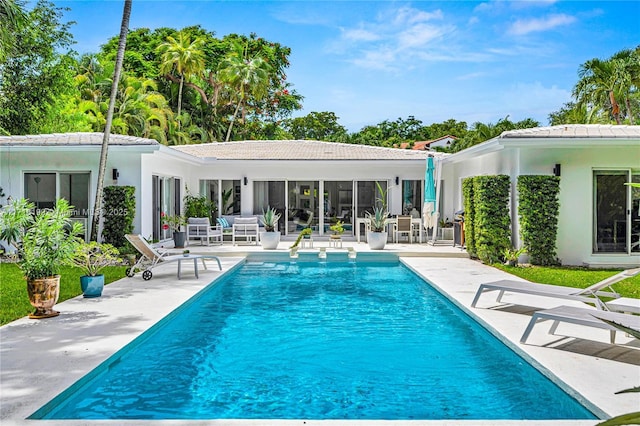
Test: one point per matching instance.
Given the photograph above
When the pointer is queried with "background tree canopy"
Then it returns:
(190, 86)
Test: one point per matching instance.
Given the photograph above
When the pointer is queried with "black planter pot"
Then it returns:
(179, 239)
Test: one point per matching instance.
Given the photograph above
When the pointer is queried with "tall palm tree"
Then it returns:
(122, 43)
(247, 76)
(11, 18)
(599, 86)
(182, 56)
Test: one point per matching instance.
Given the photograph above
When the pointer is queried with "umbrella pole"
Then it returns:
(437, 203)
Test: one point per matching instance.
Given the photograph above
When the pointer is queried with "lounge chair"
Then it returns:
(589, 294)
(582, 316)
(150, 258)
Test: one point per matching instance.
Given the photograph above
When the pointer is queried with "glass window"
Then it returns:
(338, 204)
(412, 197)
(40, 189)
(230, 197)
(369, 196)
(74, 187)
(303, 209)
(270, 194)
(610, 218)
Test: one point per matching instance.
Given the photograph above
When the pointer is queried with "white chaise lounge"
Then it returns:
(589, 294)
(582, 316)
(150, 258)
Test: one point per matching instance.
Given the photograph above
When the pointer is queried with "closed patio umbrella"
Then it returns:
(429, 216)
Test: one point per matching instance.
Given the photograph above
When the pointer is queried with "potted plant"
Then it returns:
(175, 223)
(93, 257)
(377, 237)
(270, 237)
(45, 241)
(511, 255)
(338, 230)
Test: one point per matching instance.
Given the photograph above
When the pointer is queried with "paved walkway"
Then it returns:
(39, 359)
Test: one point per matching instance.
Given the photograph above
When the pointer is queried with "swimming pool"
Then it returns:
(334, 340)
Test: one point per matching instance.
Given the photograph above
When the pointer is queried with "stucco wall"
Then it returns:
(575, 222)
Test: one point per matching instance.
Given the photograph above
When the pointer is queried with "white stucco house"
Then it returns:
(599, 222)
(311, 182)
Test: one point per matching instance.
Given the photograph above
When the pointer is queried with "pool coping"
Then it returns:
(131, 306)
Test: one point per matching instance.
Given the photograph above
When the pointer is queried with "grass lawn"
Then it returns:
(14, 301)
(574, 277)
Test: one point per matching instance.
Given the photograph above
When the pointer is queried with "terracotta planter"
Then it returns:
(43, 294)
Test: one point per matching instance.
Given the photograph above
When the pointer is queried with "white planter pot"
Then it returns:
(376, 240)
(270, 240)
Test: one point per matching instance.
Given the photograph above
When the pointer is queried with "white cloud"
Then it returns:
(526, 26)
(360, 35)
(421, 35)
(394, 38)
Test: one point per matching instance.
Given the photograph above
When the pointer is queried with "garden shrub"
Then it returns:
(491, 220)
(198, 206)
(467, 194)
(538, 208)
(119, 210)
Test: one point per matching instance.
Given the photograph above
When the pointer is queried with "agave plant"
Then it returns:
(270, 219)
(378, 219)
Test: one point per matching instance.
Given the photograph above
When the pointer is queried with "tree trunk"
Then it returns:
(97, 206)
(233, 119)
(615, 108)
(180, 98)
(632, 121)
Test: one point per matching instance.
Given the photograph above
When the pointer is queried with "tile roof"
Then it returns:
(297, 150)
(69, 139)
(595, 131)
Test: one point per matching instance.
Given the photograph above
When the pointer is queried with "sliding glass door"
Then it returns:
(270, 194)
(616, 212)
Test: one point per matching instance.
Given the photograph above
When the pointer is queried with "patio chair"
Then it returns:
(200, 228)
(402, 226)
(150, 258)
(590, 294)
(245, 228)
(582, 316)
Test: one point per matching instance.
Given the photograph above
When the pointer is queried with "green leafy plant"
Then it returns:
(337, 228)
(119, 212)
(378, 219)
(227, 203)
(380, 215)
(511, 255)
(175, 222)
(469, 216)
(538, 209)
(270, 219)
(93, 257)
(492, 223)
(14, 220)
(305, 231)
(46, 239)
(198, 206)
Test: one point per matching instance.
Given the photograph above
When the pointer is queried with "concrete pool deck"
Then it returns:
(40, 359)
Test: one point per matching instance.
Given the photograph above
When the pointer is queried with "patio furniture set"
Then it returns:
(238, 228)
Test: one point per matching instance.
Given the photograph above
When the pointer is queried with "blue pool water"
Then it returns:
(318, 341)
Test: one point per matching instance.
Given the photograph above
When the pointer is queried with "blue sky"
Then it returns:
(373, 61)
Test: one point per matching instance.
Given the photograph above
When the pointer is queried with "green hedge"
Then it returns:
(538, 208)
(469, 207)
(491, 220)
(119, 210)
